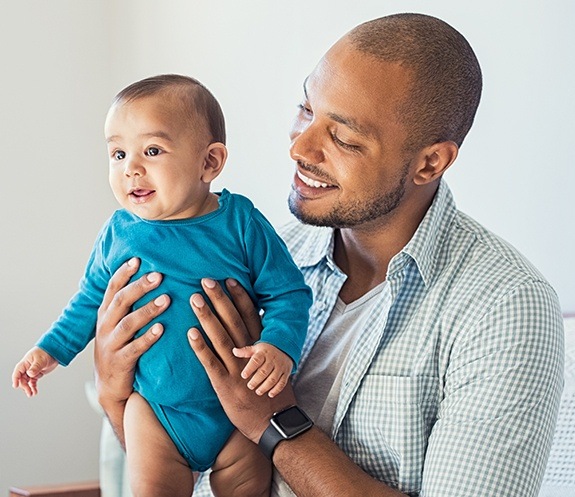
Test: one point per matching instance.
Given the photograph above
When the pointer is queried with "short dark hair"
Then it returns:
(446, 83)
(196, 99)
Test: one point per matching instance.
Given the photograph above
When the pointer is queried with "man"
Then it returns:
(433, 362)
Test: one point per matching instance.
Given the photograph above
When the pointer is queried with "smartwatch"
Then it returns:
(284, 425)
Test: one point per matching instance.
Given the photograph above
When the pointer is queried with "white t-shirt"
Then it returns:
(319, 381)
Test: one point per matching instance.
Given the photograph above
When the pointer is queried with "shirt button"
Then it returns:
(320, 306)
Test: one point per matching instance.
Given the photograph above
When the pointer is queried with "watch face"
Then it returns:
(291, 422)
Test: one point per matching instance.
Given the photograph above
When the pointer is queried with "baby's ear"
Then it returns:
(214, 160)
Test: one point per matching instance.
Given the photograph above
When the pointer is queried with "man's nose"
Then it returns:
(306, 144)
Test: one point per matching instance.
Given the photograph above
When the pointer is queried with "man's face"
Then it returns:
(156, 158)
(348, 143)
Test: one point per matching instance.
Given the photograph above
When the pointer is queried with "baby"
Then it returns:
(166, 144)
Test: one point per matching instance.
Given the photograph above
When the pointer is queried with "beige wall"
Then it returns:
(61, 62)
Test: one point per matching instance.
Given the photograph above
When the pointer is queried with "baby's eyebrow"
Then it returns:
(158, 134)
(152, 134)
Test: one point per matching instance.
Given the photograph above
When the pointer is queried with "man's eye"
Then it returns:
(305, 110)
(342, 144)
(152, 151)
(119, 155)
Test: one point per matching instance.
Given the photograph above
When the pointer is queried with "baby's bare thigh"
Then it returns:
(155, 465)
(241, 469)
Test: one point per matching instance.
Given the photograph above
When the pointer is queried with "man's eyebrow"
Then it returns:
(346, 121)
(352, 124)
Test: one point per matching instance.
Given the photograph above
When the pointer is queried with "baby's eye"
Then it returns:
(119, 155)
(152, 151)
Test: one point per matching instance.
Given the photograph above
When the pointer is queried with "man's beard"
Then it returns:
(355, 212)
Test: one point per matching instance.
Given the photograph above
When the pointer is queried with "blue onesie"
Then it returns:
(235, 241)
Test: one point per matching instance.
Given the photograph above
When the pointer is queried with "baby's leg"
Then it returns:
(155, 466)
(241, 470)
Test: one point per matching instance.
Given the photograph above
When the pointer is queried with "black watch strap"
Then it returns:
(284, 425)
(269, 440)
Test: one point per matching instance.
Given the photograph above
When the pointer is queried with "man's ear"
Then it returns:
(435, 160)
(214, 160)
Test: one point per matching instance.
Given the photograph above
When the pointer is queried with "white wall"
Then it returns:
(62, 61)
(54, 63)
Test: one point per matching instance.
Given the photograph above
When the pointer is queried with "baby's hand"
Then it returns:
(268, 367)
(35, 364)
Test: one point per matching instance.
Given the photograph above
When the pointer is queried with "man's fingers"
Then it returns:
(141, 344)
(136, 320)
(119, 280)
(205, 355)
(246, 309)
(124, 298)
(227, 313)
(221, 340)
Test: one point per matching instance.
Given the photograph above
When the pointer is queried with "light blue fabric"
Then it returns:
(455, 390)
(234, 241)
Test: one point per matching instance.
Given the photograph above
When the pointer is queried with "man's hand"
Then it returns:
(236, 325)
(311, 464)
(116, 352)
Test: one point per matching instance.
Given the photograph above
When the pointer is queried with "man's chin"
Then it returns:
(307, 218)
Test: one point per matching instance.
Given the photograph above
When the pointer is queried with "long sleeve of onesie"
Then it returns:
(75, 327)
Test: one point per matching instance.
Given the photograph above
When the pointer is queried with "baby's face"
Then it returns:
(156, 159)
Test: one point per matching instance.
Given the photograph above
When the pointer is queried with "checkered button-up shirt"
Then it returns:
(453, 390)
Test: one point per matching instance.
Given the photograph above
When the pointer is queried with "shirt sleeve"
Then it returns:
(501, 396)
(76, 325)
(279, 287)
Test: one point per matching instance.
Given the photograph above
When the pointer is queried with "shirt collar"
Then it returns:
(423, 248)
(425, 245)
(317, 246)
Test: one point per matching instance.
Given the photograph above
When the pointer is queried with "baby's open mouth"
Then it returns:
(140, 192)
(140, 195)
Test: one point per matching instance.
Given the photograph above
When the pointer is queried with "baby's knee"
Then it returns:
(244, 488)
(241, 470)
(240, 480)
(151, 486)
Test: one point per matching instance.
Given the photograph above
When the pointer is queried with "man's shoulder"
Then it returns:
(478, 271)
(489, 250)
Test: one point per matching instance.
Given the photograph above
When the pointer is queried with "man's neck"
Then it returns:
(364, 253)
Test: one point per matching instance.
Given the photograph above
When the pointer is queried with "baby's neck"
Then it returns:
(210, 204)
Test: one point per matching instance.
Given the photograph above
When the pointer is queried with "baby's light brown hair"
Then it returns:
(196, 99)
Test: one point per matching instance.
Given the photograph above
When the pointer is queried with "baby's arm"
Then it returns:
(35, 364)
(268, 367)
